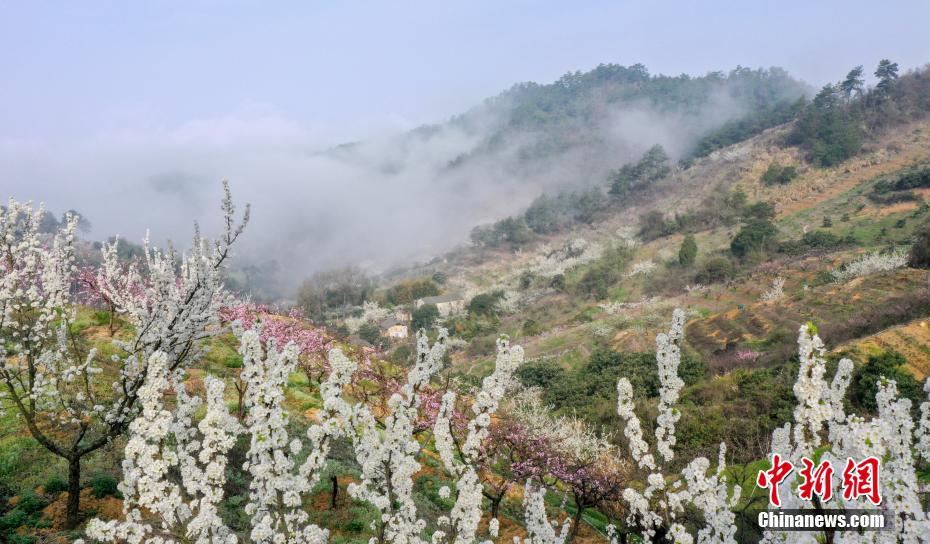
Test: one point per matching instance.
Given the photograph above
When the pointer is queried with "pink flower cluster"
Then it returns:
(283, 328)
(747, 355)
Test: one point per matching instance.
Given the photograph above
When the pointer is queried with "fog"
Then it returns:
(387, 199)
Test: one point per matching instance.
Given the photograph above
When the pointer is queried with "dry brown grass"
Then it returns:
(911, 340)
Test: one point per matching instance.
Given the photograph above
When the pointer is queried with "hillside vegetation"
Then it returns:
(779, 222)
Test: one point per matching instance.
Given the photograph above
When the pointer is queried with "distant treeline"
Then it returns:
(551, 214)
(834, 125)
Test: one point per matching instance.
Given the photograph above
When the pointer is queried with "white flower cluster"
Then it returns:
(161, 442)
(456, 343)
(509, 302)
(655, 509)
(776, 291)
(387, 453)
(462, 523)
(276, 490)
(614, 307)
(696, 288)
(871, 263)
(538, 526)
(41, 374)
(575, 252)
(571, 436)
(372, 312)
(642, 268)
(627, 236)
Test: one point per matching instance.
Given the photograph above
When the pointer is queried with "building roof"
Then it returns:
(448, 297)
(356, 341)
(390, 322)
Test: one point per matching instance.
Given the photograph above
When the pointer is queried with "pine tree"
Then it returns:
(688, 251)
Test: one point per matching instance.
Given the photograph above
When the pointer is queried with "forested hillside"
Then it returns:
(715, 258)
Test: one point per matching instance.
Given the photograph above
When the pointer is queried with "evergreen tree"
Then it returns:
(853, 84)
(688, 251)
(828, 131)
(919, 256)
(887, 73)
(651, 167)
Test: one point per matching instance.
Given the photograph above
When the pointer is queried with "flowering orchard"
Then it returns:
(179, 446)
(51, 378)
(529, 446)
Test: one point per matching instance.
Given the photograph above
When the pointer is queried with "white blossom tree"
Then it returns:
(654, 510)
(822, 425)
(163, 443)
(462, 522)
(51, 376)
(174, 473)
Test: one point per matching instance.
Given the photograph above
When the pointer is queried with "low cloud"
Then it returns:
(395, 195)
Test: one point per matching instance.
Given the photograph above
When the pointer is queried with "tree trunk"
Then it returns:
(496, 505)
(335, 481)
(74, 493)
(576, 524)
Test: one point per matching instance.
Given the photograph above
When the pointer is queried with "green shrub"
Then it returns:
(55, 485)
(13, 519)
(354, 526)
(102, 317)
(763, 211)
(715, 270)
(30, 502)
(540, 373)
(604, 273)
(815, 239)
(777, 174)
(755, 236)
(401, 355)
(653, 225)
(888, 365)
(424, 316)
(233, 361)
(104, 485)
(531, 327)
(484, 304)
(370, 333)
(408, 291)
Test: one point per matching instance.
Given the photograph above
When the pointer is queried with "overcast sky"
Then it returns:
(132, 111)
(341, 69)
